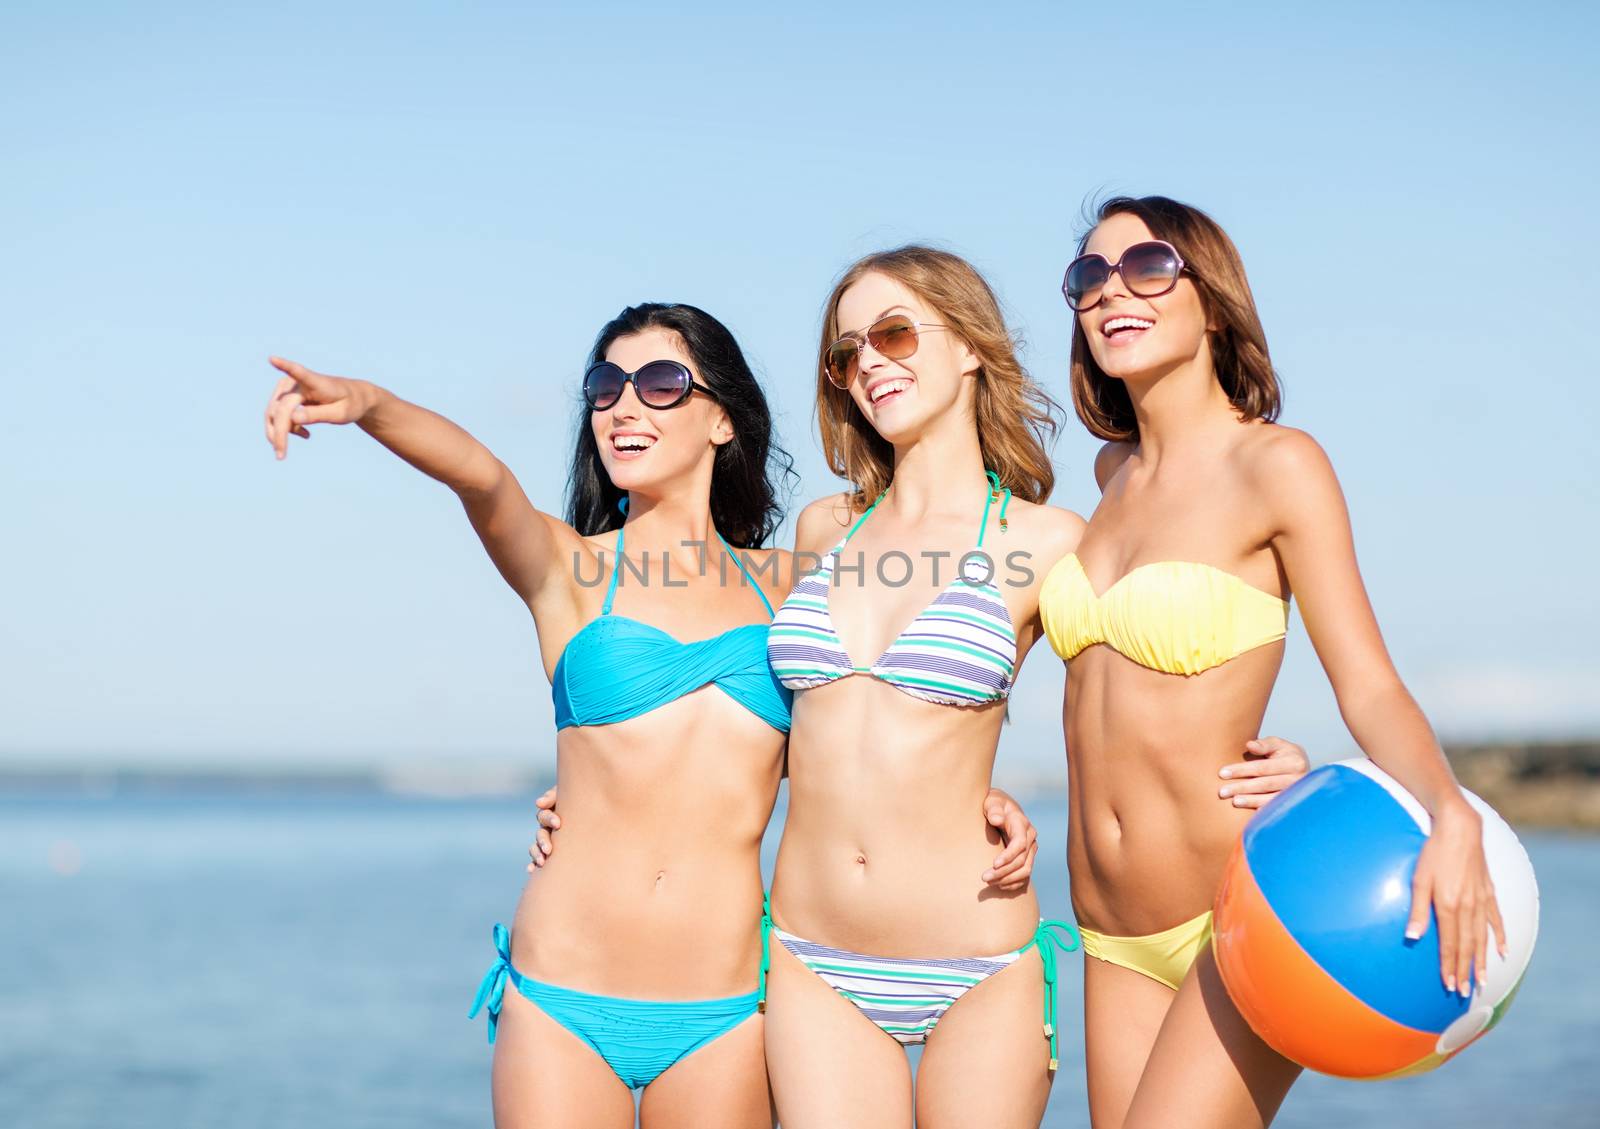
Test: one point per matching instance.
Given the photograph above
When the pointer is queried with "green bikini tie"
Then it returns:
(995, 491)
(1047, 939)
(766, 951)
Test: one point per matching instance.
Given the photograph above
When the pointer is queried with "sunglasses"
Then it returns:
(659, 384)
(1148, 270)
(894, 337)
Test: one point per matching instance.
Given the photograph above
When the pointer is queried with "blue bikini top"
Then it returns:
(617, 668)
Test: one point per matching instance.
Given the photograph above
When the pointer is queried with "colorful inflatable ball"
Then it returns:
(1310, 928)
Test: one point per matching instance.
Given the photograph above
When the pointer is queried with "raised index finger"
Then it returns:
(304, 377)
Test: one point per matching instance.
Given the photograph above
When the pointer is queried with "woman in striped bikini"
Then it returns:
(902, 649)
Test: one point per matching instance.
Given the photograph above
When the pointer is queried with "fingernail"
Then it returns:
(1450, 982)
(1412, 932)
(1238, 801)
(1224, 792)
(988, 876)
(1225, 773)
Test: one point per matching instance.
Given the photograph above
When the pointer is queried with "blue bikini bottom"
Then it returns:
(638, 1039)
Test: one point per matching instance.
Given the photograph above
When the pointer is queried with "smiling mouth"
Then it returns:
(1125, 328)
(887, 389)
(631, 444)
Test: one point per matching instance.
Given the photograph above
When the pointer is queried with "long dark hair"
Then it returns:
(744, 503)
(1238, 344)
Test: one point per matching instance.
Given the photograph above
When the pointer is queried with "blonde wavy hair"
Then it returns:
(1013, 414)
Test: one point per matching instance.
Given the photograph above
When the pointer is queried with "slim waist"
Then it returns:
(893, 920)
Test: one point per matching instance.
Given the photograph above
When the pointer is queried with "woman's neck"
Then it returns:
(676, 519)
(935, 466)
(1179, 407)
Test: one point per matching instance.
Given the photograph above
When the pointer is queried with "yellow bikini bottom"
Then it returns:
(1164, 956)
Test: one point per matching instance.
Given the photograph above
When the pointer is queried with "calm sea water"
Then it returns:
(167, 963)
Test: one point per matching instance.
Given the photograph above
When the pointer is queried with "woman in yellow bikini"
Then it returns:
(1171, 614)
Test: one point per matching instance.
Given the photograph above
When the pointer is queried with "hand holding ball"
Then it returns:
(1310, 928)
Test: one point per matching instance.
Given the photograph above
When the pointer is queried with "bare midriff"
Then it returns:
(885, 844)
(654, 889)
(1148, 835)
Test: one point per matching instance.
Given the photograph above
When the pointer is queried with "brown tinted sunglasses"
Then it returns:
(894, 337)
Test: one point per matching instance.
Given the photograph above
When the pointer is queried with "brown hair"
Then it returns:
(1013, 414)
(1238, 344)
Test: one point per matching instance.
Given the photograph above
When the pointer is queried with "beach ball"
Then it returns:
(1309, 930)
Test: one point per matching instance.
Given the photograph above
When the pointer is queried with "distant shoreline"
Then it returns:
(437, 779)
(1552, 784)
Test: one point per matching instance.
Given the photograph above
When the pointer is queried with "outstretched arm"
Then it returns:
(524, 543)
(1317, 549)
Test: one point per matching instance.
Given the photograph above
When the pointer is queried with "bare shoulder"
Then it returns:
(1049, 532)
(1109, 460)
(766, 556)
(767, 560)
(1277, 457)
(772, 569)
(823, 522)
(594, 546)
(1290, 470)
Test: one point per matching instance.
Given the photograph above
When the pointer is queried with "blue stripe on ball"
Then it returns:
(1338, 875)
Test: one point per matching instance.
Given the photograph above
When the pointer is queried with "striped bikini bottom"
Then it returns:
(907, 996)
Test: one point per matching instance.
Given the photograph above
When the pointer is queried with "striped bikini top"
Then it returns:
(961, 650)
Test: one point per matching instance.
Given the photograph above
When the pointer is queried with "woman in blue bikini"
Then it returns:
(635, 958)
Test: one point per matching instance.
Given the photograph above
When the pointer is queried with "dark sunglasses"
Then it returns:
(894, 337)
(659, 384)
(1148, 270)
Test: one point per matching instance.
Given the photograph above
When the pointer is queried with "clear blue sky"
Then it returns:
(451, 199)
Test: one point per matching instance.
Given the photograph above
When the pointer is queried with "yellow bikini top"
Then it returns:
(1178, 617)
